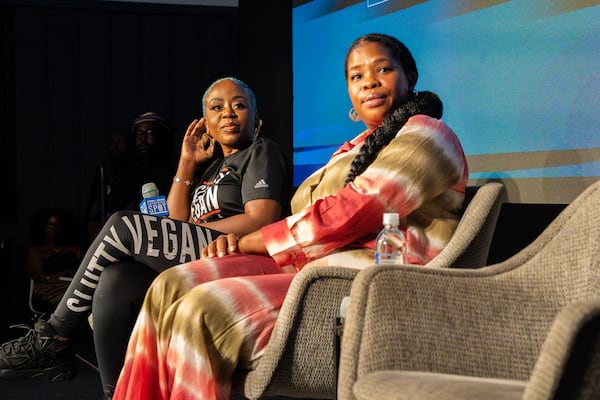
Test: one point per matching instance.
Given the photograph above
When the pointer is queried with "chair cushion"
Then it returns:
(411, 385)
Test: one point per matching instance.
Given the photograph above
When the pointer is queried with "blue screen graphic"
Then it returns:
(520, 82)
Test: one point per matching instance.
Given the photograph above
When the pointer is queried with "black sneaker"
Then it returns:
(37, 355)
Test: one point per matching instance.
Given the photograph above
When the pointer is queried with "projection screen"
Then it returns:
(520, 82)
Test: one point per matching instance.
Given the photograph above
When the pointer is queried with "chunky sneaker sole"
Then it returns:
(55, 374)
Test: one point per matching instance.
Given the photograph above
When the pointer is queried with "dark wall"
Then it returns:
(77, 74)
(265, 52)
(72, 74)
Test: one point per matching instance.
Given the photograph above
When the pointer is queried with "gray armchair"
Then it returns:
(299, 360)
(526, 328)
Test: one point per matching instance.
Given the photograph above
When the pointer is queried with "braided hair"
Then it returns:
(417, 103)
(427, 103)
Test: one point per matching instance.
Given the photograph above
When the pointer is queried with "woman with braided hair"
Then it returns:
(195, 333)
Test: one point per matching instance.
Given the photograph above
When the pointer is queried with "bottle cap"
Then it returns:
(149, 190)
(391, 218)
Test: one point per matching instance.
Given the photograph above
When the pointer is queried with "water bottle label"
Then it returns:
(387, 258)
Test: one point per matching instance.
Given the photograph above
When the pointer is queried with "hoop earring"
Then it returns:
(353, 115)
(257, 130)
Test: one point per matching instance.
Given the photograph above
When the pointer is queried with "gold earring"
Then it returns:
(353, 115)
(257, 130)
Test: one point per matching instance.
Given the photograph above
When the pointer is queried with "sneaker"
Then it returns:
(37, 355)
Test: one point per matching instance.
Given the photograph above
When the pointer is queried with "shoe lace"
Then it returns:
(23, 344)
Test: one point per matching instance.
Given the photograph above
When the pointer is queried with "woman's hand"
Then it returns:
(221, 246)
(197, 145)
(233, 244)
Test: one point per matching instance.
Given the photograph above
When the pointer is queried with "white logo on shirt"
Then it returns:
(261, 184)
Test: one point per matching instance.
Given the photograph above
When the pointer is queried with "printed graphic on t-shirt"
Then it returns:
(206, 198)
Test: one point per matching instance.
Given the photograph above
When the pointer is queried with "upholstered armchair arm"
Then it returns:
(569, 363)
(299, 358)
(470, 244)
(567, 368)
(488, 322)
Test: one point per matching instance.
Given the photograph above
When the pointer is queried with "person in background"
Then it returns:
(199, 329)
(155, 153)
(116, 170)
(143, 154)
(228, 179)
(53, 256)
(119, 172)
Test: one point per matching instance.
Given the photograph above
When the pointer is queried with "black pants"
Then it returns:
(127, 240)
(115, 307)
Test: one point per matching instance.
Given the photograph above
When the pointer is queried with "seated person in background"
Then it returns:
(206, 322)
(154, 161)
(243, 188)
(54, 253)
(121, 152)
(143, 154)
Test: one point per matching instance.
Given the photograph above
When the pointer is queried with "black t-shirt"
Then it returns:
(257, 172)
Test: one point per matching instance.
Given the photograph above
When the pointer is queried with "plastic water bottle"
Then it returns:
(390, 247)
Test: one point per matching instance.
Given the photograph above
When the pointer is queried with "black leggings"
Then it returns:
(117, 301)
(127, 240)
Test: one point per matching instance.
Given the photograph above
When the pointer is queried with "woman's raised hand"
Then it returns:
(197, 145)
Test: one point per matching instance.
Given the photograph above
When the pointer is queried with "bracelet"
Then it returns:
(186, 182)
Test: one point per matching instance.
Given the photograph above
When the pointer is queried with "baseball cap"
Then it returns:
(150, 117)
